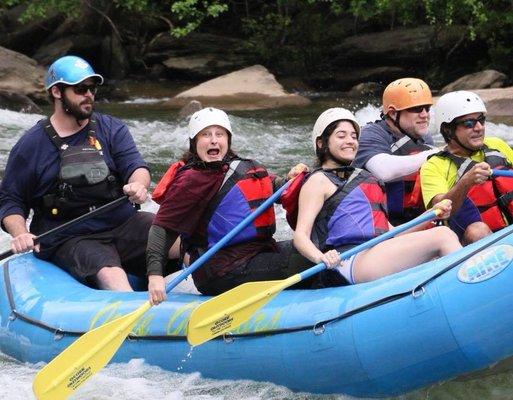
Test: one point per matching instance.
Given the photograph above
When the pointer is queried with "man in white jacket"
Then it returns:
(394, 148)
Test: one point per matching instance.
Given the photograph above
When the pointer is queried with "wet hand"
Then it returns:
(331, 258)
(445, 207)
(136, 192)
(156, 289)
(23, 243)
(296, 170)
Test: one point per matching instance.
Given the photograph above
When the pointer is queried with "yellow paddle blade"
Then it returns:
(232, 308)
(84, 357)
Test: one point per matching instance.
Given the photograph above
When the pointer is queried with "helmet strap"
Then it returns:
(455, 138)
(398, 126)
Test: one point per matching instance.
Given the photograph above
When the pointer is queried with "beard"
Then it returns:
(74, 108)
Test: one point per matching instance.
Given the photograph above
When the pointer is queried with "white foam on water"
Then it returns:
(145, 100)
(18, 120)
(279, 145)
(136, 380)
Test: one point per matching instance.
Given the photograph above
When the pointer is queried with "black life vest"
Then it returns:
(491, 201)
(85, 181)
(403, 204)
(355, 213)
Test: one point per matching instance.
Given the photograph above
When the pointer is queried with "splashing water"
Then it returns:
(278, 139)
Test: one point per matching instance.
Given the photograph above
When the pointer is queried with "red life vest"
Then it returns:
(290, 199)
(492, 200)
(164, 183)
(245, 187)
(403, 199)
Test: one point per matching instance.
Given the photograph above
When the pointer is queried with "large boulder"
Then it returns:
(248, 89)
(198, 55)
(26, 37)
(406, 47)
(479, 80)
(18, 102)
(202, 65)
(499, 102)
(21, 74)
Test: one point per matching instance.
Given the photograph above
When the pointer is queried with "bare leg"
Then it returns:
(476, 231)
(113, 278)
(174, 251)
(403, 252)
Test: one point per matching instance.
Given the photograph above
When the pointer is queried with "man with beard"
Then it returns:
(69, 164)
(394, 148)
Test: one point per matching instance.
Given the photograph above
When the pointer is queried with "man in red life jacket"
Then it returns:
(462, 171)
(394, 148)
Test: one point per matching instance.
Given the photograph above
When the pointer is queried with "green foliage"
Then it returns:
(192, 13)
(298, 33)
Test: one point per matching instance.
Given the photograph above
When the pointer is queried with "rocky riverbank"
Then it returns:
(357, 64)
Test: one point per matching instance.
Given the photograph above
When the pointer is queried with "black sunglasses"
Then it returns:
(419, 109)
(470, 123)
(82, 89)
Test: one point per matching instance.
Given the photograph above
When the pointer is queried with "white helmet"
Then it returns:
(329, 116)
(207, 117)
(455, 104)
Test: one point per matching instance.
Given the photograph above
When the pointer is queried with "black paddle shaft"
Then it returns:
(66, 225)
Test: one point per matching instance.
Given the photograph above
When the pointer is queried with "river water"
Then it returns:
(278, 139)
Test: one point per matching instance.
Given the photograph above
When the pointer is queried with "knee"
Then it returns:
(109, 273)
(446, 234)
(476, 231)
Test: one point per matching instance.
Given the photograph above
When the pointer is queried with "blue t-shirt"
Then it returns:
(377, 138)
(33, 168)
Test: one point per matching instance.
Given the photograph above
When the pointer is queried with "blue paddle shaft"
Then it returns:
(234, 232)
(370, 243)
(502, 172)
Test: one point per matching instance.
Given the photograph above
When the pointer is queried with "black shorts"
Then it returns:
(124, 246)
(287, 261)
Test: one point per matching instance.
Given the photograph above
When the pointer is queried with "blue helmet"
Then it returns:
(70, 70)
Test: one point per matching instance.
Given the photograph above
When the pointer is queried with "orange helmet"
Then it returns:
(406, 93)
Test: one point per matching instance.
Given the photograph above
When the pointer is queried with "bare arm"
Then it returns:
(22, 239)
(311, 199)
(137, 187)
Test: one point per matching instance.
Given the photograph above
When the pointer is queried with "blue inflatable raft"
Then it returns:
(431, 323)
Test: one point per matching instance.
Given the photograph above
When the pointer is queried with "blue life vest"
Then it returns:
(355, 213)
(245, 187)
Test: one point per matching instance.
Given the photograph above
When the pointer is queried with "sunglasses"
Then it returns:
(472, 122)
(82, 89)
(419, 109)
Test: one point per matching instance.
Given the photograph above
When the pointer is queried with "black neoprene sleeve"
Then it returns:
(160, 241)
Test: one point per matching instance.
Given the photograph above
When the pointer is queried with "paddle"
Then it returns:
(66, 225)
(232, 308)
(502, 172)
(93, 350)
